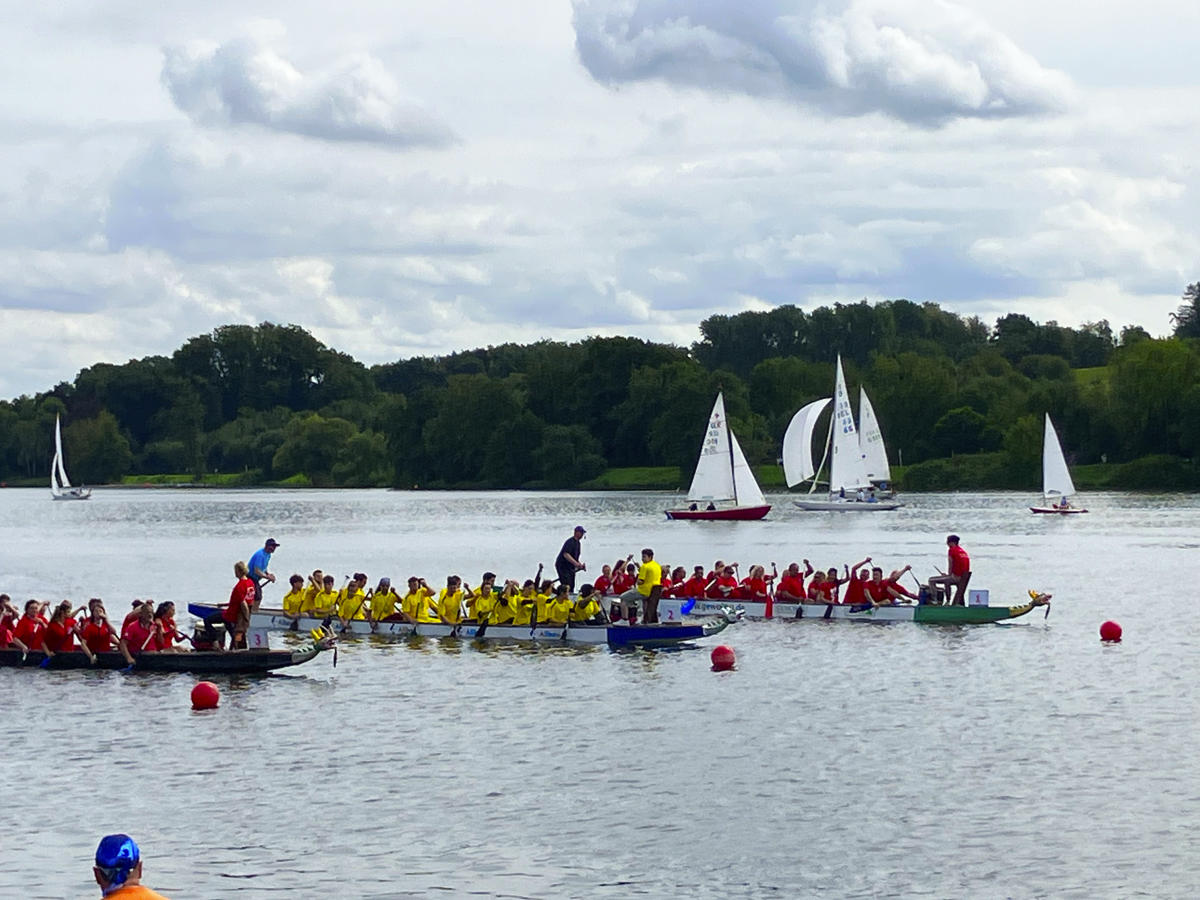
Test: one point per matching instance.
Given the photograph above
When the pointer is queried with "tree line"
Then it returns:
(960, 402)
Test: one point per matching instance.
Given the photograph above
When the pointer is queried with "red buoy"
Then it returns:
(722, 658)
(1110, 631)
(205, 696)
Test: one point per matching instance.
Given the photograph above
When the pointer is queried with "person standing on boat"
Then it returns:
(959, 565)
(567, 563)
(237, 614)
(646, 591)
(118, 870)
(258, 568)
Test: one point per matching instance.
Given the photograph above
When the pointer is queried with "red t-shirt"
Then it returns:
(602, 585)
(623, 582)
(754, 589)
(6, 633)
(899, 588)
(97, 636)
(856, 590)
(694, 586)
(790, 584)
(167, 635)
(878, 591)
(60, 636)
(243, 592)
(960, 563)
(136, 634)
(31, 632)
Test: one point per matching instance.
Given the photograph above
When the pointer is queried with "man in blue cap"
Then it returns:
(118, 870)
(258, 569)
(567, 563)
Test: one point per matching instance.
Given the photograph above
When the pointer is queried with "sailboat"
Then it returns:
(1056, 477)
(722, 476)
(60, 484)
(855, 466)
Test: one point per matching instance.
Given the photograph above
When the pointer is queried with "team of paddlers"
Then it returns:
(145, 628)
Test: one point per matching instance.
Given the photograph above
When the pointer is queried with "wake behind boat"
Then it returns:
(60, 484)
(858, 467)
(722, 477)
(1057, 486)
(612, 635)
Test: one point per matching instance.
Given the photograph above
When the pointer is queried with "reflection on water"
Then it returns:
(838, 759)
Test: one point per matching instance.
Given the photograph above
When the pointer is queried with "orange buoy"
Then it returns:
(205, 695)
(1110, 632)
(723, 658)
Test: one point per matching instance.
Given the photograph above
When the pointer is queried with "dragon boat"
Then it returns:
(927, 614)
(654, 635)
(199, 662)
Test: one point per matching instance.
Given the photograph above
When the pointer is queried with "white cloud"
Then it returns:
(245, 81)
(923, 63)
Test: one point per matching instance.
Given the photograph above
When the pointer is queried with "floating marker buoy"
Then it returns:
(1110, 631)
(205, 695)
(723, 658)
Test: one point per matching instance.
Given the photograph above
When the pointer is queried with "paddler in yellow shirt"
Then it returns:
(450, 601)
(557, 607)
(294, 599)
(505, 608)
(308, 605)
(585, 609)
(482, 603)
(526, 603)
(324, 602)
(351, 604)
(415, 604)
(383, 601)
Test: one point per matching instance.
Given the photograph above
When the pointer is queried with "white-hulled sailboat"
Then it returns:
(1057, 486)
(724, 486)
(60, 484)
(854, 468)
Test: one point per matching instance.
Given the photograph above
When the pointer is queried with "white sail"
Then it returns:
(1056, 477)
(870, 440)
(846, 469)
(722, 473)
(797, 443)
(58, 472)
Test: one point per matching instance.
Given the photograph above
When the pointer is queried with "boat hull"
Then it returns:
(1049, 510)
(733, 514)
(670, 610)
(673, 632)
(847, 505)
(200, 662)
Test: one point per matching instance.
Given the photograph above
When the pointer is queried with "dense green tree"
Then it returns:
(1186, 319)
(963, 430)
(312, 446)
(97, 450)
(363, 462)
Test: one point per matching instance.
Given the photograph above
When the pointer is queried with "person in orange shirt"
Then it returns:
(118, 870)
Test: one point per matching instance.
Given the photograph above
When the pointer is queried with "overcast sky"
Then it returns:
(412, 179)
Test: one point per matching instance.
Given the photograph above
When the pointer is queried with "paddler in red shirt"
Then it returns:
(63, 629)
(791, 586)
(31, 627)
(880, 592)
(856, 580)
(98, 633)
(603, 584)
(8, 625)
(165, 632)
(694, 586)
(139, 634)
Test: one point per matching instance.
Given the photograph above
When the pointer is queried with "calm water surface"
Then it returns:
(839, 759)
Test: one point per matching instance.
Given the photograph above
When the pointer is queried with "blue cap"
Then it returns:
(117, 855)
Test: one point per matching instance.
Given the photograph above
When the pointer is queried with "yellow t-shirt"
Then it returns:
(524, 607)
(649, 575)
(583, 610)
(324, 603)
(383, 605)
(415, 605)
(292, 601)
(557, 611)
(351, 605)
(502, 612)
(450, 605)
(484, 605)
(308, 604)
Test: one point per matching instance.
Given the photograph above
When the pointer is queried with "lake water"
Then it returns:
(839, 759)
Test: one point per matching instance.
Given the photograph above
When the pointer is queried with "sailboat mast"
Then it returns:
(732, 467)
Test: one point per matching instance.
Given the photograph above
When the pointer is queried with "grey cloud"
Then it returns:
(245, 82)
(927, 64)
